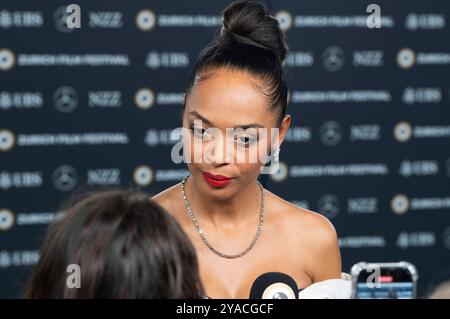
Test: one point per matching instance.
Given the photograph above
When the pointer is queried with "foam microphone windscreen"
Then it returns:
(274, 285)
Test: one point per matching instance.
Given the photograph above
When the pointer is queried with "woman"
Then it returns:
(120, 245)
(239, 229)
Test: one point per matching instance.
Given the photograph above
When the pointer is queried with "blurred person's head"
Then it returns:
(442, 291)
(126, 246)
(439, 286)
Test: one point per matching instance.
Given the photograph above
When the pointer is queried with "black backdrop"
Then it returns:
(368, 147)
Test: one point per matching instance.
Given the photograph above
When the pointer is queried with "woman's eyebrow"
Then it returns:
(251, 125)
(208, 122)
(201, 117)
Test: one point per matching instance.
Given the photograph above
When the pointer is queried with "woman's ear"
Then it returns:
(285, 124)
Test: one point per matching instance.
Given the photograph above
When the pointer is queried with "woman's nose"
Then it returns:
(220, 151)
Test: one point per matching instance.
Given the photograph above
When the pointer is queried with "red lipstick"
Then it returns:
(216, 180)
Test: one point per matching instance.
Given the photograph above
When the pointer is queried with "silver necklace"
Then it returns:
(202, 234)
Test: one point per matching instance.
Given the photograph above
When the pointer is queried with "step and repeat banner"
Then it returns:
(369, 145)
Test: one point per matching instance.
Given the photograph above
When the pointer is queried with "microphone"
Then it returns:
(274, 285)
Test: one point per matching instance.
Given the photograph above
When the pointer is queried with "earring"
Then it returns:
(274, 162)
(276, 156)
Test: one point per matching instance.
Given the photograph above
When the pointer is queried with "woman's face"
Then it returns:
(228, 129)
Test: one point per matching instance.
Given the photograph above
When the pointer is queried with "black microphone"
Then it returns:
(274, 285)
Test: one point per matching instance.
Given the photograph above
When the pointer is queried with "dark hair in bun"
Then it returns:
(251, 40)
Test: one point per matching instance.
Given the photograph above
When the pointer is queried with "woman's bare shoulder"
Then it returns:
(295, 216)
(167, 198)
(312, 236)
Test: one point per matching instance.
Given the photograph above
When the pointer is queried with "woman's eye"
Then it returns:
(245, 140)
(199, 132)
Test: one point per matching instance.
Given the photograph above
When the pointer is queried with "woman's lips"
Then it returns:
(216, 180)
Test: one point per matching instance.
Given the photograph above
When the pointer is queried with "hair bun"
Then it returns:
(251, 23)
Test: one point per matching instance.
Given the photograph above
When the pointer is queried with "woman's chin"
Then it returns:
(216, 193)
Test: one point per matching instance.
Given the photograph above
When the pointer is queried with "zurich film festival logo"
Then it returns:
(67, 18)
(143, 175)
(406, 58)
(7, 219)
(7, 140)
(65, 99)
(403, 132)
(145, 20)
(281, 173)
(400, 204)
(7, 59)
(144, 98)
(284, 19)
(373, 20)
